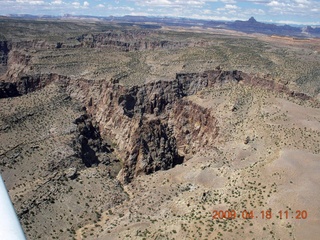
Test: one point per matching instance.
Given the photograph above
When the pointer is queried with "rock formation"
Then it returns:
(148, 123)
(4, 53)
(8, 90)
(85, 122)
(88, 144)
(129, 41)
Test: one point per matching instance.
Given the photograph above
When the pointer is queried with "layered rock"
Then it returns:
(195, 127)
(8, 90)
(88, 144)
(4, 50)
(131, 41)
(149, 123)
(152, 126)
(125, 40)
(24, 83)
(155, 148)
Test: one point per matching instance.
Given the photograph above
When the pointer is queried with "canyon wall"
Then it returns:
(152, 126)
(4, 53)
(3, 56)
(131, 41)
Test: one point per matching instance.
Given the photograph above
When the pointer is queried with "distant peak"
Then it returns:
(252, 19)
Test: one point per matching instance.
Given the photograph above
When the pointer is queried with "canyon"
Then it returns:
(135, 133)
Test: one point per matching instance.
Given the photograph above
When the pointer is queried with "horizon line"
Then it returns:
(290, 23)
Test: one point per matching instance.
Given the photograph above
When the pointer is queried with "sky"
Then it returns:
(306, 12)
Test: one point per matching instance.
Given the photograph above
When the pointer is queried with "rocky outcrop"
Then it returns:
(195, 127)
(19, 57)
(19, 65)
(8, 90)
(130, 41)
(155, 148)
(275, 86)
(125, 40)
(88, 144)
(4, 50)
(7, 46)
(152, 126)
(28, 83)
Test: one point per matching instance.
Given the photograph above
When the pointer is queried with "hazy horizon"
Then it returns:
(296, 12)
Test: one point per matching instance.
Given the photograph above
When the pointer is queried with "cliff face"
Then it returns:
(27, 83)
(126, 40)
(4, 50)
(130, 41)
(13, 52)
(88, 144)
(154, 149)
(8, 90)
(152, 125)
(195, 127)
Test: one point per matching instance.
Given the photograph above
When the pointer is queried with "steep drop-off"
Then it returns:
(151, 125)
(131, 41)
(116, 131)
(85, 156)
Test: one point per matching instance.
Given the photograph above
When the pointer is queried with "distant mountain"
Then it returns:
(25, 16)
(311, 30)
(249, 26)
(253, 26)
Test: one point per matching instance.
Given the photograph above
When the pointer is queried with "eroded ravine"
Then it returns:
(125, 132)
(151, 125)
